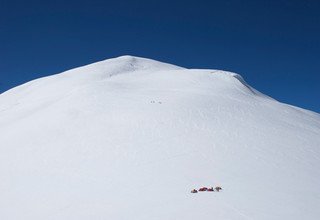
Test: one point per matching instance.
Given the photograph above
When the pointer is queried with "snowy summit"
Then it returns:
(129, 138)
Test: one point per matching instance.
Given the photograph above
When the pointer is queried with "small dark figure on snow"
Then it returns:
(218, 188)
(194, 191)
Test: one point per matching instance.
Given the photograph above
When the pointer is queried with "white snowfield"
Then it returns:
(128, 139)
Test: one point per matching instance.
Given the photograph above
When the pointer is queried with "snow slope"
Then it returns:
(128, 138)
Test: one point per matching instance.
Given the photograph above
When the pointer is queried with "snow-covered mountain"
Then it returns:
(129, 138)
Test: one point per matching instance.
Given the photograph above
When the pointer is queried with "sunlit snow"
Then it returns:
(129, 138)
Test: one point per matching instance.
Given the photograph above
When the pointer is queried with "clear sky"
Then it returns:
(273, 44)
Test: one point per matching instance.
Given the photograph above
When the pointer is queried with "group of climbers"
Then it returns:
(211, 189)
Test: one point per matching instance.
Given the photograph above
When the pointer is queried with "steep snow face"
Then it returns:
(128, 138)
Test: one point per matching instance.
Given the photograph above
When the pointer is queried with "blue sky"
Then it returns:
(274, 45)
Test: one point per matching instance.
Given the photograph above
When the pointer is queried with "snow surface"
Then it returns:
(128, 138)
